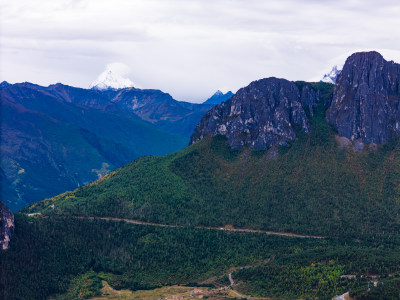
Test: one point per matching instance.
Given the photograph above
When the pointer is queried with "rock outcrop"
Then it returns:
(6, 226)
(265, 113)
(366, 99)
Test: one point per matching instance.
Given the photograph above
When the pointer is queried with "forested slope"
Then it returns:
(315, 186)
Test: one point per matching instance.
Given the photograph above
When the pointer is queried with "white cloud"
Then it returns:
(188, 48)
(118, 68)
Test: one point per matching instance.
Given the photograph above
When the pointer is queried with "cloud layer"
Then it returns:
(188, 48)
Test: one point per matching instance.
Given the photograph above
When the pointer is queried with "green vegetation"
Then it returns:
(313, 187)
(387, 289)
(295, 281)
(84, 287)
(70, 257)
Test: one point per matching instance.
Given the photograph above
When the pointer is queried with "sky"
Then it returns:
(189, 48)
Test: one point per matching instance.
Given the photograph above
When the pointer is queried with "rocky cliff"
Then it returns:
(265, 113)
(6, 226)
(366, 99)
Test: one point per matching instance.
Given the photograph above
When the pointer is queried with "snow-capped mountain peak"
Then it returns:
(110, 79)
(331, 76)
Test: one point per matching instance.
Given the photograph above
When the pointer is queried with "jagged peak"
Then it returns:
(218, 97)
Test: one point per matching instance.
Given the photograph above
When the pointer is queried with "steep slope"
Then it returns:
(312, 187)
(218, 97)
(42, 156)
(366, 99)
(6, 226)
(51, 143)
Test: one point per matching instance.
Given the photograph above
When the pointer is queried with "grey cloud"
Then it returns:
(188, 48)
(108, 34)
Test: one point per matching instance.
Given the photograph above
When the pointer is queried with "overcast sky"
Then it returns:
(188, 48)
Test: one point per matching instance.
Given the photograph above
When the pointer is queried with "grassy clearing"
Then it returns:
(107, 292)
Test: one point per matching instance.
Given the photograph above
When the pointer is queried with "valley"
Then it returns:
(59, 137)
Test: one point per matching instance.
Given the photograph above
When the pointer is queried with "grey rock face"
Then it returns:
(265, 113)
(366, 99)
(6, 226)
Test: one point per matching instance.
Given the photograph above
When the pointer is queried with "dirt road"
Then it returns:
(287, 234)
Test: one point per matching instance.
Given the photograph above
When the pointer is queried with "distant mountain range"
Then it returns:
(60, 137)
(218, 97)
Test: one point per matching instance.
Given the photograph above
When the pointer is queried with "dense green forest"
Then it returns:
(386, 289)
(312, 187)
(58, 255)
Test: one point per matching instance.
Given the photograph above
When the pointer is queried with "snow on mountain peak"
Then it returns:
(331, 76)
(112, 78)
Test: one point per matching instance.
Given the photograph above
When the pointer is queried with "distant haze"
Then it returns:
(188, 48)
